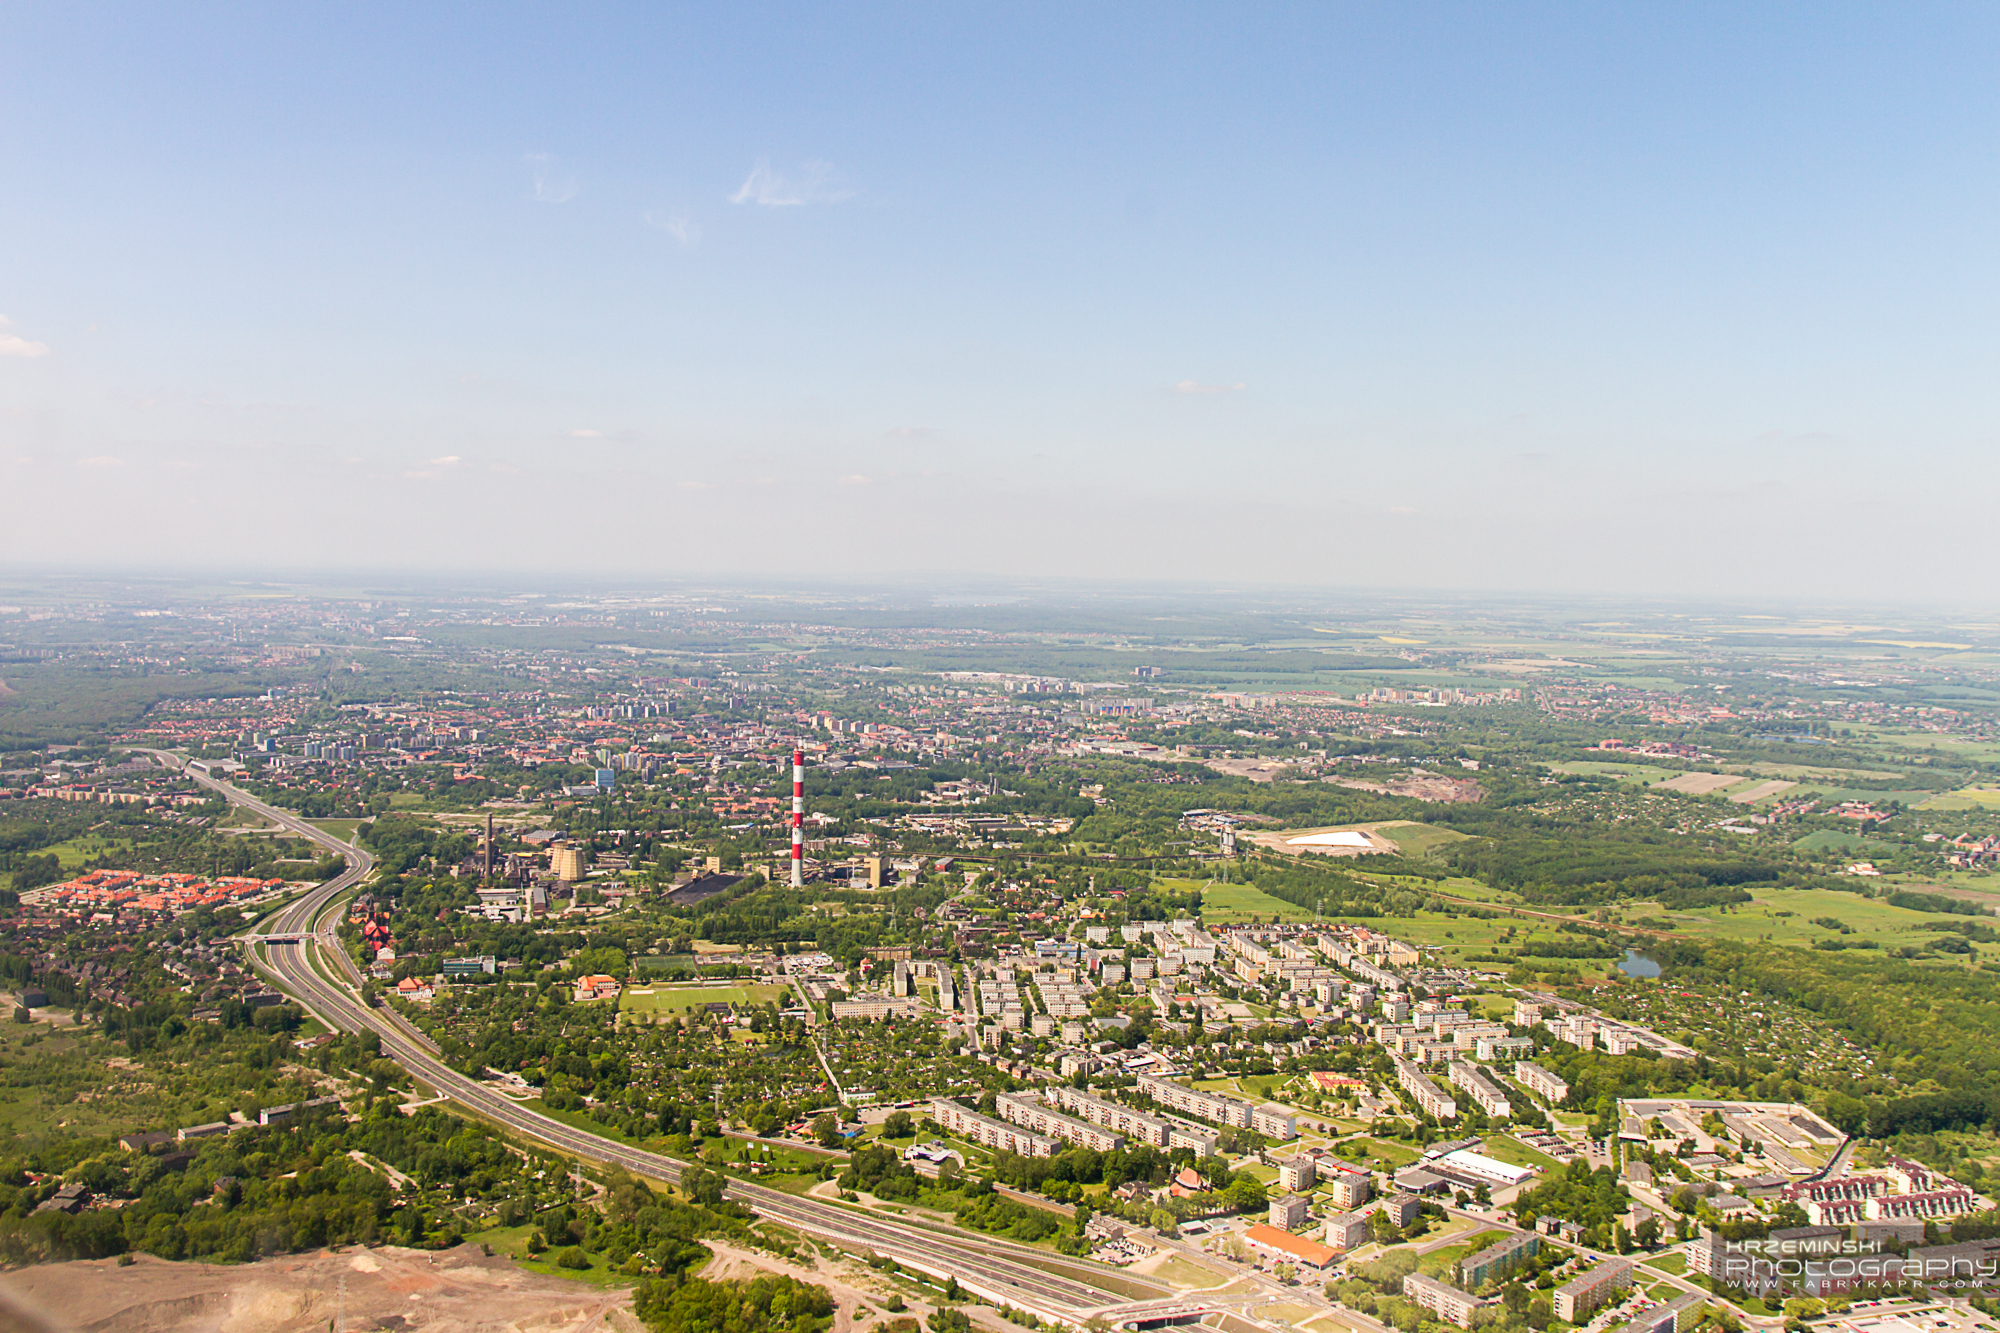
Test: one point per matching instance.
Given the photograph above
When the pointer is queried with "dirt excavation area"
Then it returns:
(354, 1291)
(1424, 786)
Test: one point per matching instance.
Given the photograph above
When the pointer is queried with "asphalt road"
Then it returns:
(1000, 1270)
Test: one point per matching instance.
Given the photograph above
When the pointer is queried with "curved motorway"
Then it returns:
(1048, 1285)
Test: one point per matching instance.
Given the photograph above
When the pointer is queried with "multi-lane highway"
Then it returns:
(303, 956)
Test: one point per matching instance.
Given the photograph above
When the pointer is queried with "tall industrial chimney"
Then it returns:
(798, 819)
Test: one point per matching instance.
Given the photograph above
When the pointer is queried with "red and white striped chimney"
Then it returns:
(798, 819)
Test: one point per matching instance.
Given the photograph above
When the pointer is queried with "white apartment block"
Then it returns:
(1580, 1295)
(1540, 1081)
(1477, 1086)
(1113, 1116)
(1296, 1175)
(1268, 1120)
(1428, 1096)
(988, 1132)
(1448, 1303)
(1035, 1114)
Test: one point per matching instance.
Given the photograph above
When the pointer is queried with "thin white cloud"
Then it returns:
(677, 225)
(449, 460)
(1196, 386)
(13, 344)
(814, 183)
(586, 433)
(548, 187)
(913, 432)
(102, 463)
(852, 479)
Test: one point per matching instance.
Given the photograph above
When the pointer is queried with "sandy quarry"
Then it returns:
(1296, 841)
(354, 1291)
(409, 1291)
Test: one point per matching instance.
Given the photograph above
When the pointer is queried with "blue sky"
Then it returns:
(1671, 299)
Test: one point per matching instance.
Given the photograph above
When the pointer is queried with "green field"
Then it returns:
(1968, 798)
(680, 999)
(1226, 904)
(339, 828)
(1784, 916)
(1419, 840)
(1639, 775)
(1833, 840)
(1515, 1153)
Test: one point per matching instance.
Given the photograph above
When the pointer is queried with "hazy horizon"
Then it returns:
(1526, 300)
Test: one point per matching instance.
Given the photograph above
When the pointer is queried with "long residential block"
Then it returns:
(1271, 1121)
(988, 1132)
(1112, 1115)
(1540, 1081)
(1035, 1114)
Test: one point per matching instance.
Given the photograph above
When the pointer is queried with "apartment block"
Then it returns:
(1430, 1099)
(1037, 1115)
(1576, 1298)
(1540, 1081)
(1120, 1119)
(988, 1132)
(1447, 1302)
(1477, 1086)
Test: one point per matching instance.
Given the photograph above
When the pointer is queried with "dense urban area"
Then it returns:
(768, 960)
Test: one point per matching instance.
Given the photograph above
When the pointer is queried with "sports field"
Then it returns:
(680, 999)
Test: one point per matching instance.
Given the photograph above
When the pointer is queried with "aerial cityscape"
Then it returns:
(915, 670)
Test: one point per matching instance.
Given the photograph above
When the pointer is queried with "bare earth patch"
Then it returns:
(1421, 786)
(414, 1291)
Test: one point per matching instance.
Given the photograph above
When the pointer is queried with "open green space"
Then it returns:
(1512, 1151)
(1183, 1272)
(513, 1242)
(339, 828)
(1673, 1264)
